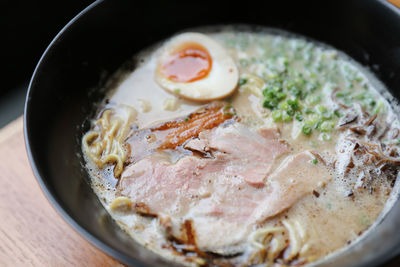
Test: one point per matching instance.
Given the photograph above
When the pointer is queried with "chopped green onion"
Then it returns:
(290, 112)
(270, 93)
(379, 107)
(229, 110)
(308, 111)
(294, 104)
(284, 106)
(242, 81)
(372, 102)
(277, 115)
(271, 104)
(317, 125)
(311, 88)
(341, 94)
(290, 85)
(243, 62)
(313, 119)
(327, 126)
(299, 117)
(359, 96)
(306, 129)
(337, 114)
(320, 109)
(281, 96)
(325, 137)
(312, 100)
(295, 91)
(287, 118)
(326, 116)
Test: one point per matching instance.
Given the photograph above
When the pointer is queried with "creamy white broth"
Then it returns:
(127, 93)
(330, 217)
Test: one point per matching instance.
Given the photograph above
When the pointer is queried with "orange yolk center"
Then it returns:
(190, 62)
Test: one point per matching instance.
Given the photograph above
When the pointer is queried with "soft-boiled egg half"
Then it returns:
(195, 67)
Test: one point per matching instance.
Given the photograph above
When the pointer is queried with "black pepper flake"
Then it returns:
(315, 193)
(350, 193)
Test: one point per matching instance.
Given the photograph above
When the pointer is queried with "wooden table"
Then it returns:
(395, 2)
(31, 231)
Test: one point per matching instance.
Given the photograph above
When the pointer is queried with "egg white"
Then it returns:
(221, 80)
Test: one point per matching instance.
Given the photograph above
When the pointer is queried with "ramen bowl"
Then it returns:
(69, 80)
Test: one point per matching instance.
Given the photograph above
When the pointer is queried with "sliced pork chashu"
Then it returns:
(172, 134)
(251, 153)
(227, 194)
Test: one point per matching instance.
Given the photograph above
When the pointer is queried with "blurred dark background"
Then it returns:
(27, 28)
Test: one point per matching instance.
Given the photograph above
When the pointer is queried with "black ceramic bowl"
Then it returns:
(66, 83)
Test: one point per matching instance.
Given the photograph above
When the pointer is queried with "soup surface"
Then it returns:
(243, 148)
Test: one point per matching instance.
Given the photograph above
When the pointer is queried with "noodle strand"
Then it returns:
(104, 143)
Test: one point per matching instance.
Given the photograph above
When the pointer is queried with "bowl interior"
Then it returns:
(69, 77)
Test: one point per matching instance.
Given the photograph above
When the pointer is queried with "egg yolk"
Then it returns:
(190, 62)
